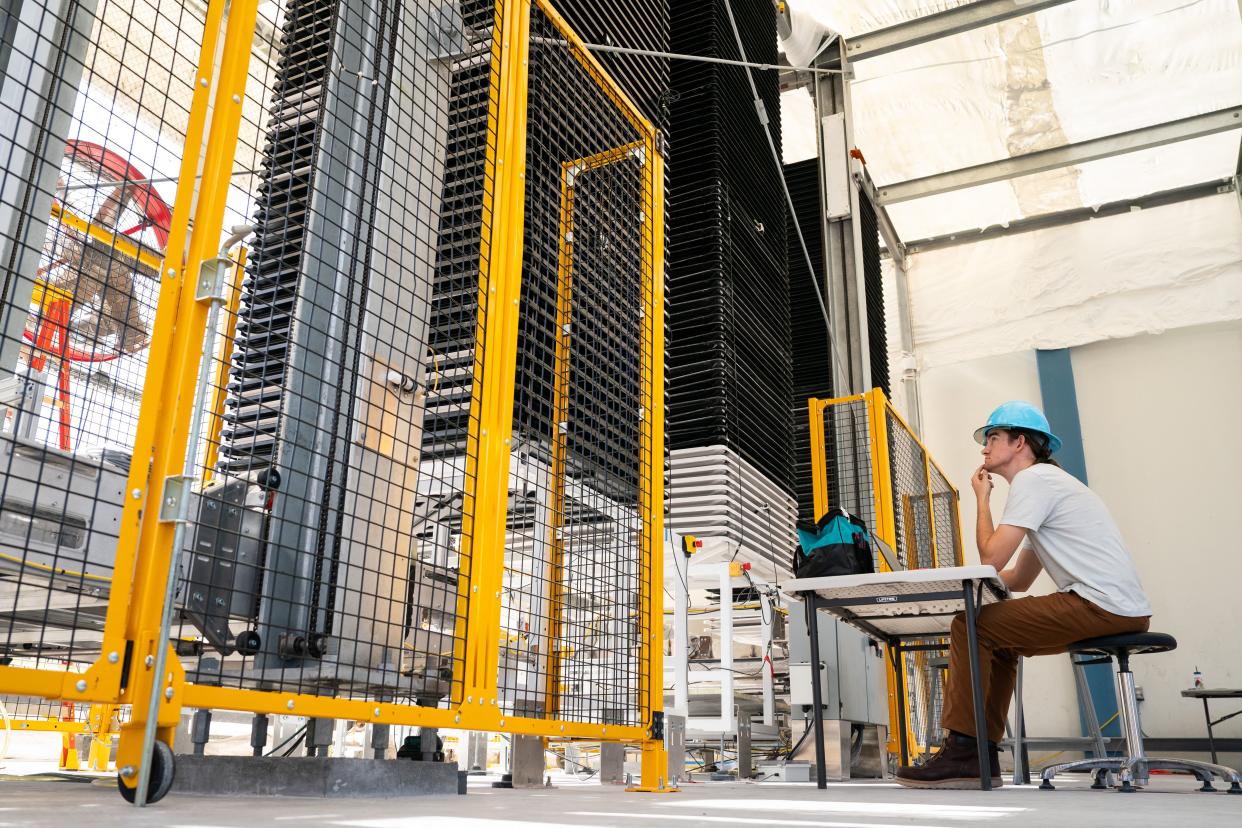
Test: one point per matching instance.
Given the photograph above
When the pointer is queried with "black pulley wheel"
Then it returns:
(248, 643)
(161, 780)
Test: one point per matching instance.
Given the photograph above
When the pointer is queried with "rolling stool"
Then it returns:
(1133, 767)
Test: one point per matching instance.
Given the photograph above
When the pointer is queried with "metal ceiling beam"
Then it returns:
(942, 24)
(1095, 149)
(1064, 217)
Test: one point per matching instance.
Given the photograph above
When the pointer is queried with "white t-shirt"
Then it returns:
(1076, 540)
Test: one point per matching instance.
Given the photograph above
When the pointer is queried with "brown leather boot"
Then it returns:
(954, 767)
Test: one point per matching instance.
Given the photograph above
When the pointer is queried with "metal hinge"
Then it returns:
(211, 280)
(177, 491)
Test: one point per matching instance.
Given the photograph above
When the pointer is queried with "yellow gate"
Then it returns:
(867, 460)
(399, 450)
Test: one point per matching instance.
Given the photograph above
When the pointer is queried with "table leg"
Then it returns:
(812, 628)
(976, 688)
(1211, 742)
(899, 671)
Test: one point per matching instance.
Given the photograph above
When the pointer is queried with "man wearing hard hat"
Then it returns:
(1070, 534)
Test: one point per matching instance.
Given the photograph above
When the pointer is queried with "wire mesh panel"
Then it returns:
(324, 551)
(875, 467)
(579, 524)
(325, 486)
(947, 519)
(911, 503)
(925, 698)
(33, 709)
(95, 102)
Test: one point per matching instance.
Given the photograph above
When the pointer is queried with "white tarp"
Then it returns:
(1081, 70)
(1143, 272)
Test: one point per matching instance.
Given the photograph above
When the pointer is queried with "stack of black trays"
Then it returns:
(812, 357)
(455, 291)
(812, 360)
(257, 379)
(635, 23)
(729, 349)
(877, 333)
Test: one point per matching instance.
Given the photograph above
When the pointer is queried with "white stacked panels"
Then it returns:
(717, 496)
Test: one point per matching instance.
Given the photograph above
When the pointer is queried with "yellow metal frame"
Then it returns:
(132, 623)
(100, 725)
(102, 681)
(880, 414)
(560, 395)
(651, 602)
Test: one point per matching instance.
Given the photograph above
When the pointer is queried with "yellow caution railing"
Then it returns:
(867, 460)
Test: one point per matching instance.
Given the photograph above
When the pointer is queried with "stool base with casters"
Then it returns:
(1134, 767)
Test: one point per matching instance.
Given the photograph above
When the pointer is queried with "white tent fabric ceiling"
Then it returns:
(1082, 70)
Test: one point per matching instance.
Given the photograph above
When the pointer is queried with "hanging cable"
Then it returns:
(630, 50)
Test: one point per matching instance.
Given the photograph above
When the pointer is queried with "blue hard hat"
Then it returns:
(1019, 414)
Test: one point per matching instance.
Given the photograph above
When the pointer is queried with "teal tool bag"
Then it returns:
(837, 544)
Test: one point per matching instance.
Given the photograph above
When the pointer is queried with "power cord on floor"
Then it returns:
(297, 734)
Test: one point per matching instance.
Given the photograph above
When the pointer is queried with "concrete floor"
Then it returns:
(1169, 801)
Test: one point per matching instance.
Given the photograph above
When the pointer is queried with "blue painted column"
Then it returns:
(1060, 400)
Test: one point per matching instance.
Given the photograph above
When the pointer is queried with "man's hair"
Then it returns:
(1037, 441)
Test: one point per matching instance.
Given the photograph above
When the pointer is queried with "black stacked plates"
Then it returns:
(729, 368)
(634, 24)
(812, 359)
(812, 355)
(874, 288)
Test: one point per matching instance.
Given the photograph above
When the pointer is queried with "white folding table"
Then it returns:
(897, 608)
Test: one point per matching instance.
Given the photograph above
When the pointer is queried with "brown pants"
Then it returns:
(1039, 625)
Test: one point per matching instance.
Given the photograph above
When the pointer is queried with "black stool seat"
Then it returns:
(1126, 644)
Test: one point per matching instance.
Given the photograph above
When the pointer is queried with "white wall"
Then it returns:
(1159, 415)
(1160, 419)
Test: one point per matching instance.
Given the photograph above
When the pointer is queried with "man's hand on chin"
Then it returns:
(981, 482)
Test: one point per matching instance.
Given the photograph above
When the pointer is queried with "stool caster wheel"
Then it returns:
(1126, 787)
(1046, 786)
(1098, 784)
(1235, 788)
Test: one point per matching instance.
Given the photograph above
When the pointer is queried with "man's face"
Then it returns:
(998, 449)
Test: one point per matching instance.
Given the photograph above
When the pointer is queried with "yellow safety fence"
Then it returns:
(867, 460)
(176, 447)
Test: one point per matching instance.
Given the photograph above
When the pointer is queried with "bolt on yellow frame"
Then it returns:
(882, 421)
(124, 673)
